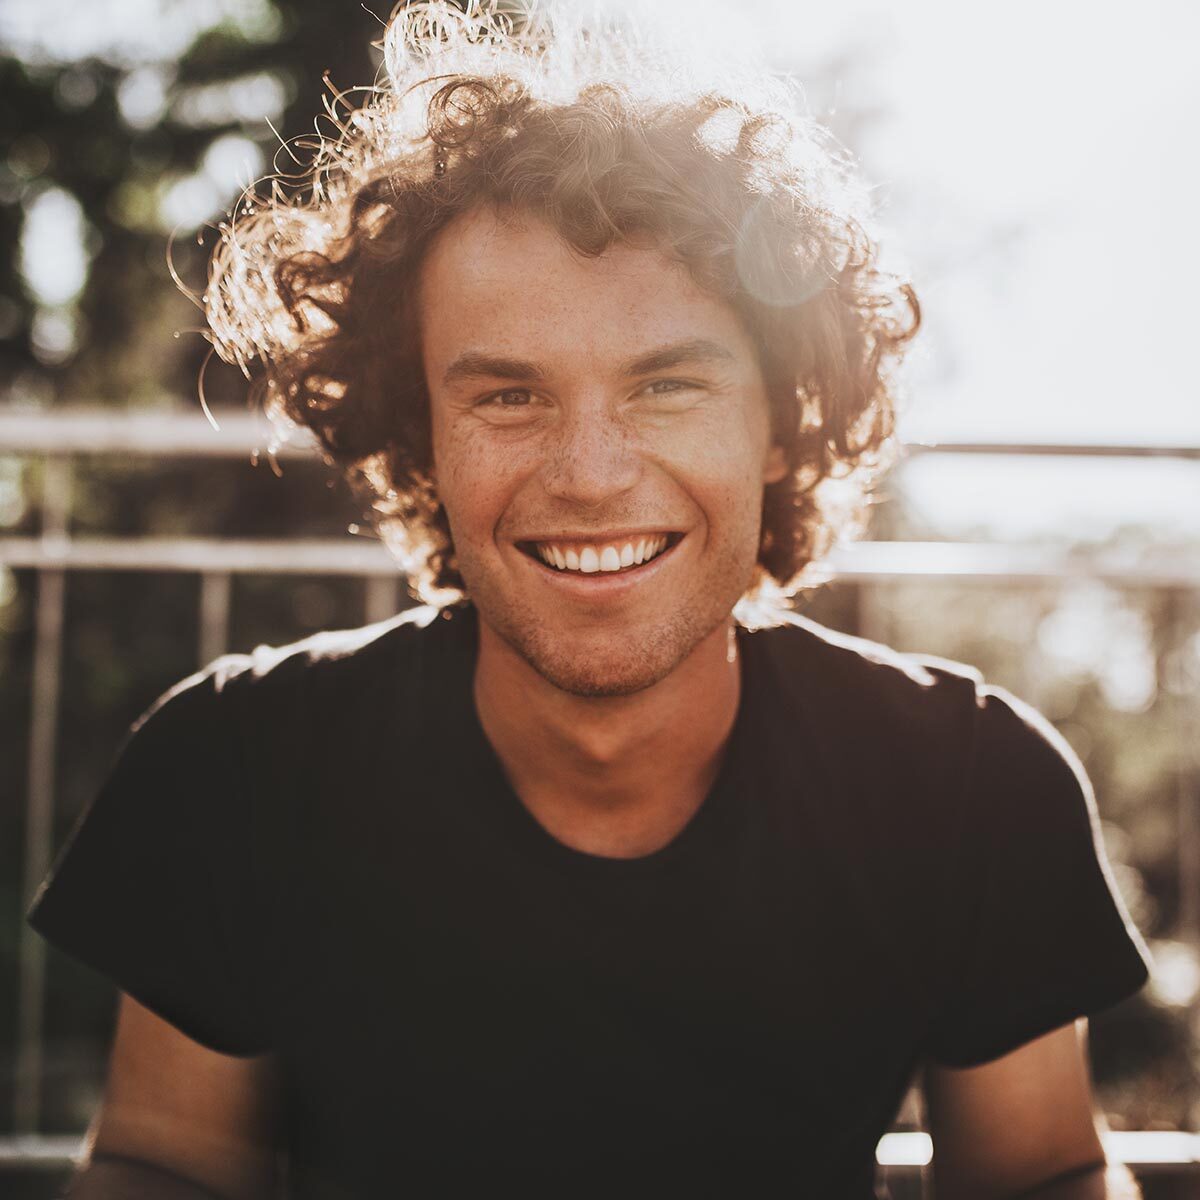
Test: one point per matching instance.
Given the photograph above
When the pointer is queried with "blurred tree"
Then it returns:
(145, 146)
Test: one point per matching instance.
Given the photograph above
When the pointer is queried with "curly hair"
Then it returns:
(600, 135)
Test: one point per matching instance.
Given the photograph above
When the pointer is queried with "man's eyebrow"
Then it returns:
(473, 364)
(691, 350)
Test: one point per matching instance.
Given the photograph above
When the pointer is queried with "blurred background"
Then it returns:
(1035, 169)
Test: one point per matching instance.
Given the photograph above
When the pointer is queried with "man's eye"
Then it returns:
(516, 398)
(676, 394)
(513, 400)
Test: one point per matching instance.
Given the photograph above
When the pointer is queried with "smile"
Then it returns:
(618, 556)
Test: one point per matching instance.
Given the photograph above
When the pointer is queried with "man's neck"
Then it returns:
(613, 775)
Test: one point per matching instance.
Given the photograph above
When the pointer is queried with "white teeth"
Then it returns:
(593, 559)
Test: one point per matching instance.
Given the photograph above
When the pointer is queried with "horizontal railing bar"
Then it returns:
(1061, 449)
(1150, 566)
(1139, 1149)
(187, 433)
(144, 434)
(39, 1151)
(200, 555)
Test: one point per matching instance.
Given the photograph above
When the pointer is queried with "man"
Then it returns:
(571, 882)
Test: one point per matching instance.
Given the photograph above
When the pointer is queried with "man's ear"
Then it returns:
(776, 467)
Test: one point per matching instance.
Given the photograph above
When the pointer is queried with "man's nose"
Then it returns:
(591, 459)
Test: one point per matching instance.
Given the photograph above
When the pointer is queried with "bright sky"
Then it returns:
(1038, 166)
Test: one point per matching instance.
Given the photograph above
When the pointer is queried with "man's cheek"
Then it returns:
(730, 491)
(466, 487)
(719, 452)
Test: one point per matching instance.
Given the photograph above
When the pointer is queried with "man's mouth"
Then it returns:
(601, 557)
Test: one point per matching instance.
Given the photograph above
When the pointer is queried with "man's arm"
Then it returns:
(105, 1178)
(1024, 1125)
(1093, 1183)
(179, 1121)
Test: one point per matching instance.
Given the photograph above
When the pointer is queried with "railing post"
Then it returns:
(872, 611)
(215, 595)
(1187, 802)
(39, 805)
(382, 597)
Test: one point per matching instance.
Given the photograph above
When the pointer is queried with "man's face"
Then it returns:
(588, 413)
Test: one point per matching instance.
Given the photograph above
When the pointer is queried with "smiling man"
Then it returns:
(601, 873)
(601, 449)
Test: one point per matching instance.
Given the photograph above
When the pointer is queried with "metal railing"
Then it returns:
(59, 436)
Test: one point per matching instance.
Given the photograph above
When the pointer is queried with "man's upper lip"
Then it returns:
(621, 535)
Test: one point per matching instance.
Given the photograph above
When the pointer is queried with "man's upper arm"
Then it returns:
(175, 1104)
(1015, 1122)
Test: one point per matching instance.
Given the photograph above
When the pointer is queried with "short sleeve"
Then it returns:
(1045, 936)
(154, 886)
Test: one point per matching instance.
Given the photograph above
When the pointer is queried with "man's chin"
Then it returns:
(580, 659)
(596, 676)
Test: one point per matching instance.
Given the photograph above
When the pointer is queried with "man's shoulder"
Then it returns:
(818, 661)
(329, 653)
(333, 664)
(861, 707)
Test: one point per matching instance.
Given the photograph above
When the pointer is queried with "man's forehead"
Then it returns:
(485, 247)
(514, 287)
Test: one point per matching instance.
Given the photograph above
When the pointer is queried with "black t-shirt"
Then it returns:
(314, 850)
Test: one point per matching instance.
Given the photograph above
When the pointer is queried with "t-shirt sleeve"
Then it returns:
(154, 886)
(1045, 936)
